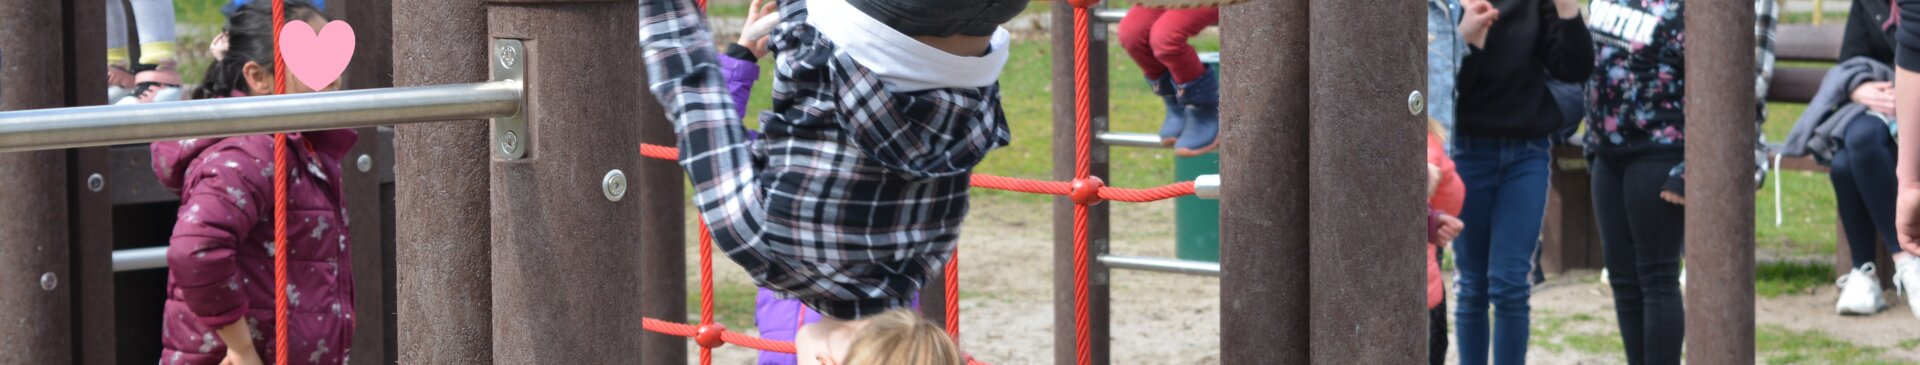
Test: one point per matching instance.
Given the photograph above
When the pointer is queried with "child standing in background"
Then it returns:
(152, 77)
(1445, 194)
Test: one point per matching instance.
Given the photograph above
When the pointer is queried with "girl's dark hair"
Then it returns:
(249, 39)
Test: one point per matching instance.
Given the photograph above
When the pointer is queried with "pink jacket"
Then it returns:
(1448, 199)
(220, 259)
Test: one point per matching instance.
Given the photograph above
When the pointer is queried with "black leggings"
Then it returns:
(1643, 237)
(1863, 187)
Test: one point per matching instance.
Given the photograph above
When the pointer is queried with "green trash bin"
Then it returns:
(1196, 228)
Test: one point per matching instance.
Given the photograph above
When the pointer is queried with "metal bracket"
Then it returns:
(1099, 150)
(511, 135)
(1097, 277)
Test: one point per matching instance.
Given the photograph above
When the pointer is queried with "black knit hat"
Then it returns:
(941, 18)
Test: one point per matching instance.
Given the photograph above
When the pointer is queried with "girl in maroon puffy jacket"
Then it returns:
(220, 298)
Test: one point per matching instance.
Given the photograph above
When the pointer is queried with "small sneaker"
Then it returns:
(1906, 274)
(1860, 292)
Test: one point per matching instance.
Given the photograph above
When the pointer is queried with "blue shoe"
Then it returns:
(1201, 98)
(1176, 114)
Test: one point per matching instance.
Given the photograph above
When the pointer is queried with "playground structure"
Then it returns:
(519, 244)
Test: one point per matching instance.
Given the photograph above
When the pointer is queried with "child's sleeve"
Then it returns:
(714, 147)
(215, 216)
(740, 73)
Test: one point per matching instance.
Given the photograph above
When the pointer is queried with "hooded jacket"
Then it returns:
(220, 257)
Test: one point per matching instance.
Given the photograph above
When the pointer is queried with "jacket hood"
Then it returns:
(171, 159)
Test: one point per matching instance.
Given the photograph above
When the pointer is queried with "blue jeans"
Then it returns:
(1506, 183)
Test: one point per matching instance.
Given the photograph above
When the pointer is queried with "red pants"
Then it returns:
(1157, 40)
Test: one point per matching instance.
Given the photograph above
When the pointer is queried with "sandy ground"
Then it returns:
(1007, 294)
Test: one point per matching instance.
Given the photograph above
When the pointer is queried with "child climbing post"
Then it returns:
(220, 301)
(854, 194)
(1156, 39)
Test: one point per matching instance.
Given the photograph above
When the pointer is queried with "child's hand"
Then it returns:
(1906, 217)
(1478, 17)
(1449, 228)
(762, 16)
(241, 357)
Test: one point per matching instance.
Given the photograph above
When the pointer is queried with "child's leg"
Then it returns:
(116, 33)
(1169, 36)
(1134, 35)
(155, 18)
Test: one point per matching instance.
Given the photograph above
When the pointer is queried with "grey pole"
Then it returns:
(566, 274)
(1367, 144)
(1263, 205)
(442, 208)
(1720, 130)
(34, 276)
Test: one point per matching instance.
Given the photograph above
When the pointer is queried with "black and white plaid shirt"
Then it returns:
(854, 195)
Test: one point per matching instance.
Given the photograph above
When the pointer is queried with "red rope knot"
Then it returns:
(1084, 3)
(1086, 190)
(708, 335)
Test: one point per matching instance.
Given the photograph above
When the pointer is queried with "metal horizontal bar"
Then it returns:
(1110, 15)
(1188, 267)
(56, 128)
(139, 259)
(1130, 139)
(1207, 186)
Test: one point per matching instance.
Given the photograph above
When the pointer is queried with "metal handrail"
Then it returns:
(1110, 15)
(139, 259)
(1130, 140)
(1189, 267)
(41, 129)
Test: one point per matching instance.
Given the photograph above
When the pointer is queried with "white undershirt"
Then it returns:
(902, 63)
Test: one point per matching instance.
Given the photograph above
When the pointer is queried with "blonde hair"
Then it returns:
(902, 337)
(1434, 127)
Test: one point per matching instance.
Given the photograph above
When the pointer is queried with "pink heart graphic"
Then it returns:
(317, 59)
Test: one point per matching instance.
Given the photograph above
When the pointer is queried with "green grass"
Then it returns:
(1780, 346)
(1773, 279)
(733, 303)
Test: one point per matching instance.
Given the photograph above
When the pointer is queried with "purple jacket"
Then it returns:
(220, 258)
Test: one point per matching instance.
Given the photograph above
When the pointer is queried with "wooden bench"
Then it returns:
(1570, 238)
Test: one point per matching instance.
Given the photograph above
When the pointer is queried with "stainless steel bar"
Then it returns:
(1130, 139)
(1156, 264)
(42, 129)
(1207, 187)
(1109, 15)
(139, 259)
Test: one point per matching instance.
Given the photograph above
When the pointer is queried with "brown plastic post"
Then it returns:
(90, 212)
(566, 278)
(1720, 130)
(374, 337)
(1366, 176)
(443, 220)
(659, 189)
(1063, 159)
(1263, 170)
(35, 298)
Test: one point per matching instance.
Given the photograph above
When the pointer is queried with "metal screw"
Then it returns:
(509, 142)
(96, 182)
(508, 56)
(614, 185)
(1415, 103)
(365, 163)
(48, 281)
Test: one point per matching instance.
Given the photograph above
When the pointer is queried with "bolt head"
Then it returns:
(96, 182)
(1416, 103)
(365, 163)
(48, 281)
(509, 142)
(508, 56)
(614, 186)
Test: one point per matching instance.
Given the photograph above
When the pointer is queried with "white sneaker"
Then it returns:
(1860, 292)
(1906, 274)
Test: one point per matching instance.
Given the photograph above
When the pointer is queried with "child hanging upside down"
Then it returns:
(855, 193)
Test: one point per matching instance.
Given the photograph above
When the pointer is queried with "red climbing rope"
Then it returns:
(953, 295)
(1082, 168)
(279, 200)
(706, 287)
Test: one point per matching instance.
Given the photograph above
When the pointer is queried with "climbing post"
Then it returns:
(1365, 163)
(1720, 140)
(566, 246)
(1263, 210)
(35, 292)
(1079, 101)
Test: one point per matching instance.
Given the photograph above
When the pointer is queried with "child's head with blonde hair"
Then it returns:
(902, 337)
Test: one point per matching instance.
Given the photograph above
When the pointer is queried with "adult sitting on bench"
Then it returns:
(1847, 127)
